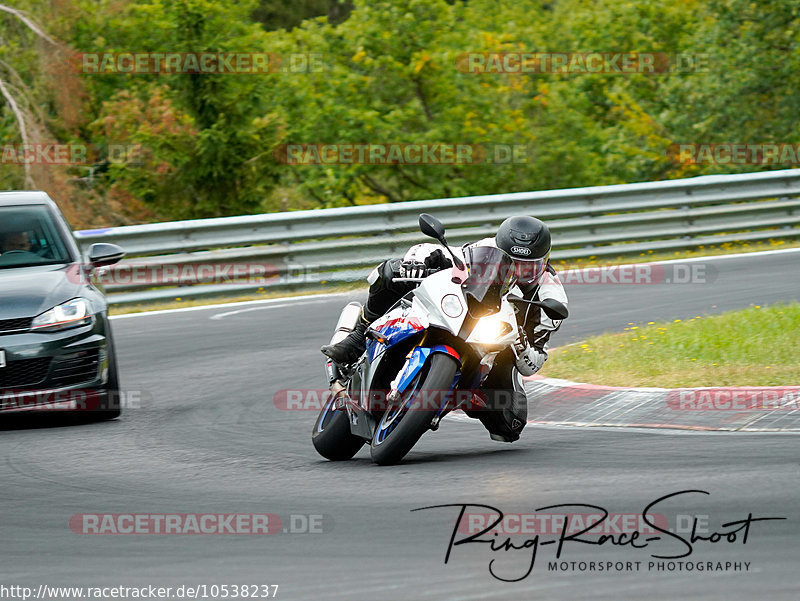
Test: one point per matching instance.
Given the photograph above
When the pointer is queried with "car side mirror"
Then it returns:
(103, 254)
(431, 227)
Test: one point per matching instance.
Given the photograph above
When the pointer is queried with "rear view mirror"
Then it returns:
(554, 309)
(431, 227)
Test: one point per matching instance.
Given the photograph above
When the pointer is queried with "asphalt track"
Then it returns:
(209, 439)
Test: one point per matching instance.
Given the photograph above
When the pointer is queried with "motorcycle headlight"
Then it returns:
(490, 329)
(70, 314)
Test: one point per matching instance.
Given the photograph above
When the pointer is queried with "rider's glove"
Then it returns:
(436, 261)
(412, 269)
(528, 359)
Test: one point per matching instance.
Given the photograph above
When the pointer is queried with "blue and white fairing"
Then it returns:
(397, 325)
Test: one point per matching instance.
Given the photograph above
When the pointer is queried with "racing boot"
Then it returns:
(353, 345)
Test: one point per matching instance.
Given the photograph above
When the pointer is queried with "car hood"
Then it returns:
(29, 291)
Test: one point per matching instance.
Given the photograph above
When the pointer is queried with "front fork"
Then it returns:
(332, 372)
(416, 361)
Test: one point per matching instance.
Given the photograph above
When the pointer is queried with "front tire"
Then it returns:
(332, 436)
(110, 407)
(400, 427)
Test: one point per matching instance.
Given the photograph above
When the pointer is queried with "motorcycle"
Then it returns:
(425, 357)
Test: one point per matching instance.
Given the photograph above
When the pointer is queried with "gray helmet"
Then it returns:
(526, 240)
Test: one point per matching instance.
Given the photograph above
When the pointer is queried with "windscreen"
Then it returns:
(29, 236)
(491, 272)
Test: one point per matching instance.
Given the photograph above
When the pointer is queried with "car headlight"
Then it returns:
(71, 314)
(490, 329)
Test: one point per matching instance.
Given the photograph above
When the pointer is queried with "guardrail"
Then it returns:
(307, 249)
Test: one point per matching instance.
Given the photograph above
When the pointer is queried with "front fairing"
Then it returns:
(428, 299)
(397, 325)
(427, 310)
(505, 317)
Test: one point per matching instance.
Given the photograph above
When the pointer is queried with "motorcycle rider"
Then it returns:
(526, 241)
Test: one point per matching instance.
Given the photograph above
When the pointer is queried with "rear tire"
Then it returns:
(390, 448)
(332, 436)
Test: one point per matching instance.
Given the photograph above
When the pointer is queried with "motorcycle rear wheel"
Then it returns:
(332, 437)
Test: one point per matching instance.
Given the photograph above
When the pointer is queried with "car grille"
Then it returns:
(13, 326)
(75, 368)
(24, 373)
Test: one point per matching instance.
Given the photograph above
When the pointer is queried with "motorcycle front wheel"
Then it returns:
(402, 425)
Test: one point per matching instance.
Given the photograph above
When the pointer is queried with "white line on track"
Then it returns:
(236, 312)
(288, 300)
(589, 427)
(761, 253)
(304, 297)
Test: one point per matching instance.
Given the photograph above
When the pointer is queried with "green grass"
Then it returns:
(757, 346)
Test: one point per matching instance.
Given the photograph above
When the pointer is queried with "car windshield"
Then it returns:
(491, 272)
(29, 237)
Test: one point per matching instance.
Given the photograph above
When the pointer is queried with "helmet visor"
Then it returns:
(529, 272)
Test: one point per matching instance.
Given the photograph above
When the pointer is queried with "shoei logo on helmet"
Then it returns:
(520, 250)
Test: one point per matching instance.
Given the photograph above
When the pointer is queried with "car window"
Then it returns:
(29, 236)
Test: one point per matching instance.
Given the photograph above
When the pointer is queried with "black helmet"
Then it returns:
(527, 241)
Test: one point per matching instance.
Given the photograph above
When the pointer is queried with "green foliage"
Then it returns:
(209, 141)
(279, 14)
(393, 72)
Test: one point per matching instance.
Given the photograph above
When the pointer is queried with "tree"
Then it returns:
(210, 146)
